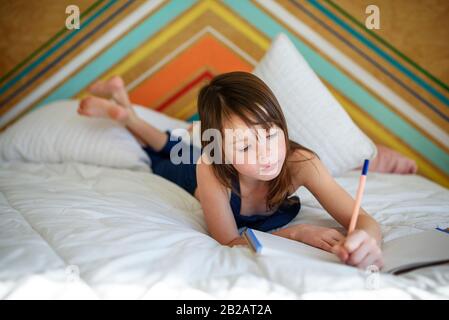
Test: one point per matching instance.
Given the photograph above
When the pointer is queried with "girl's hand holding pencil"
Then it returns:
(359, 248)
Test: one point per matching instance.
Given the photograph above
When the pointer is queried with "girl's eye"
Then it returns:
(245, 149)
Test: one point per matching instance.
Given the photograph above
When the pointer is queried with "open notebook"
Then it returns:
(400, 255)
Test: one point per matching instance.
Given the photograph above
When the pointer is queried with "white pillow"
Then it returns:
(160, 120)
(57, 133)
(314, 117)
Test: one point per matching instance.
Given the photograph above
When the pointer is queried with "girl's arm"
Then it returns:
(362, 247)
(217, 211)
(214, 201)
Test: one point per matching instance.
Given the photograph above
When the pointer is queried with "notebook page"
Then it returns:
(273, 245)
(414, 250)
(405, 252)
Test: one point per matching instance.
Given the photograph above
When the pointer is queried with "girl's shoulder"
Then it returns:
(302, 163)
(204, 170)
(303, 154)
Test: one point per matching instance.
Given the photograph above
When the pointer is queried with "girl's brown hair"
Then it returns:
(248, 97)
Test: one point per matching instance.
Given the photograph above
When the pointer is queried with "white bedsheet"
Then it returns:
(132, 234)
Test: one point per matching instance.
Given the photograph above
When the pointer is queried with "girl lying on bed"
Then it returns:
(256, 194)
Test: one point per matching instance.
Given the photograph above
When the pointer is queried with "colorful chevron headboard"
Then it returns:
(393, 82)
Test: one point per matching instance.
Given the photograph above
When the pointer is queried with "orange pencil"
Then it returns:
(358, 199)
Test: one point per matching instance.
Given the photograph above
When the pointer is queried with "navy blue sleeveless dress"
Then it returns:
(184, 175)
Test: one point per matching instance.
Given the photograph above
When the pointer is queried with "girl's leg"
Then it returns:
(120, 109)
(115, 90)
(100, 107)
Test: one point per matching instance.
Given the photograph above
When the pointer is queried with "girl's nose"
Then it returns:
(265, 156)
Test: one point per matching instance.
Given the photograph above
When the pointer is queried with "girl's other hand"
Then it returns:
(319, 237)
(359, 249)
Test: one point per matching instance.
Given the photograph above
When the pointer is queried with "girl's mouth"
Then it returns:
(268, 167)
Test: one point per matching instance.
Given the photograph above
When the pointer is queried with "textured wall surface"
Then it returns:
(393, 81)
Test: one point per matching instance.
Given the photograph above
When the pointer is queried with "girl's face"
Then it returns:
(254, 151)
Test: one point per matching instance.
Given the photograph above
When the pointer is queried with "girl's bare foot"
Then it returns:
(103, 108)
(105, 89)
(114, 88)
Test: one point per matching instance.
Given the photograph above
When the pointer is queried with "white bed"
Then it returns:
(77, 197)
(132, 234)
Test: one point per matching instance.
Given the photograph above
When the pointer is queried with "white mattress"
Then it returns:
(131, 234)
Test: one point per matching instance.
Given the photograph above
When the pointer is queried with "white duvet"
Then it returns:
(72, 230)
